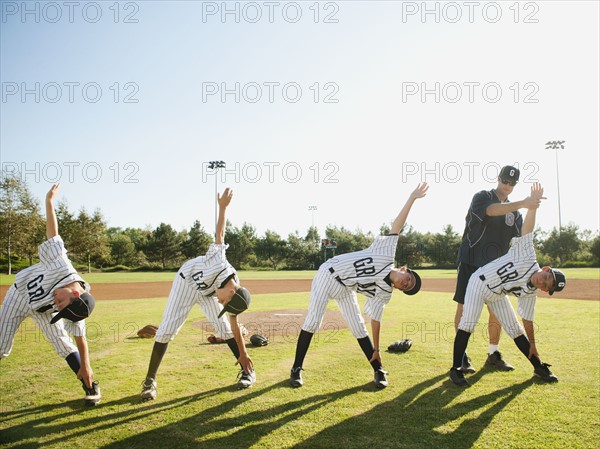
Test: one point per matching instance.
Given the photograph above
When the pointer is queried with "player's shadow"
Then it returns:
(250, 428)
(44, 422)
(413, 419)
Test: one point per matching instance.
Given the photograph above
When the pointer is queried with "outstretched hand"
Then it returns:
(225, 199)
(420, 191)
(536, 196)
(52, 192)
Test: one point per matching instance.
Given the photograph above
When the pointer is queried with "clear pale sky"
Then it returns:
(345, 106)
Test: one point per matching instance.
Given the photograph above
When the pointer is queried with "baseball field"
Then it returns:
(198, 404)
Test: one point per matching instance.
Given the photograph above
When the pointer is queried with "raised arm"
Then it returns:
(223, 201)
(400, 220)
(51, 223)
(498, 209)
(537, 192)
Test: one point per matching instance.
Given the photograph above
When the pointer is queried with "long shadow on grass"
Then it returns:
(77, 421)
(248, 428)
(424, 416)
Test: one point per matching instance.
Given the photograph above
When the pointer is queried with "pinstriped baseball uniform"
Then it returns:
(32, 295)
(492, 283)
(343, 276)
(196, 283)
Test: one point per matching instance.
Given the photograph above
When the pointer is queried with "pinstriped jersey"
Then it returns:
(209, 272)
(510, 274)
(486, 238)
(38, 282)
(367, 272)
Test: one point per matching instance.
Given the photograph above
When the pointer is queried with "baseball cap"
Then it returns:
(509, 173)
(78, 310)
(560, 280)
(417, 285)
(239, 302)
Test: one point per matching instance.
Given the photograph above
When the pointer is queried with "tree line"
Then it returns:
(93, 244)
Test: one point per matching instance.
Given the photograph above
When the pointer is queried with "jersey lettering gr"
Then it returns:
(208, 272)
(54, 270)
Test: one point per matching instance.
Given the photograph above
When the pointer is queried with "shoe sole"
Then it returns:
(296, 383)
(545, 379)
(92, 402)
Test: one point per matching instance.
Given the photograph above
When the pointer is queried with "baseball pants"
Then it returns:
(324, 287)
(479, 294)
(15, 309)
(182, 298)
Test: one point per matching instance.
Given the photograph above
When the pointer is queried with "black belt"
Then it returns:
(482, 277)
(44, 308)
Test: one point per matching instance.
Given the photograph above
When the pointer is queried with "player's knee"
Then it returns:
(467, 326)
(164, 338)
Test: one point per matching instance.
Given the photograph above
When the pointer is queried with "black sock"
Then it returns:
(523, 344)
(234, 347)
(460, 347)
(158, 351)
(74, 362)
(302, 347)
(367, 347)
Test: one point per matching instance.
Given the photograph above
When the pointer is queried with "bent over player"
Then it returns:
(370, 272)
(491, 222)
(42, 290)
(518, 273)
(211, 282)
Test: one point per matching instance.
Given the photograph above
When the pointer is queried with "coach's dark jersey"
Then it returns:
(487, 238)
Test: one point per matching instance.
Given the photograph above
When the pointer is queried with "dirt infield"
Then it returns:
(576, 288)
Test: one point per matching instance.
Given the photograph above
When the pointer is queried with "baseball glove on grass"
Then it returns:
(214, 339)
(259, 340)
(148, 331)
(400, 345)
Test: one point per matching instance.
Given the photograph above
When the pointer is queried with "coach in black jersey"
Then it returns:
(491, 222)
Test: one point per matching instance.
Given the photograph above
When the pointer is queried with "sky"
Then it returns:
(325, 113)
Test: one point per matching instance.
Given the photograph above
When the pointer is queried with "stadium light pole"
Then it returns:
(556, 145)
(215, 165)
(312, 209)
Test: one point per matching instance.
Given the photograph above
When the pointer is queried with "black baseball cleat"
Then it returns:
(246, 380)
(466, 367)
(380, 379)
(92, 394)
(544, 373)
(457, 376)
(496, 361)
(296, 377)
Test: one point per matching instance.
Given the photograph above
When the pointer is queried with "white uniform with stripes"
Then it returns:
(33, 290)
(341, 277)
(491, 283)
(195, 283)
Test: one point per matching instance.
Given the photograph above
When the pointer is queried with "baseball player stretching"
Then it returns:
(518, 273)
(211, 282)
(491, 222)
(370, 272)
(51, 286)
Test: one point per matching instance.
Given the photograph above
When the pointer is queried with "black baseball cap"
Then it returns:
(560, 280)
(417, 285)
(509, 173)
(239, 302)
(79, 309)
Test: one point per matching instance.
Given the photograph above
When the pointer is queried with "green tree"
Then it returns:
(122, 249)
(444, 249)
(22, 227)
(241, 244)
(196, 242)
(271, 248)
(564, 245)
(164, 245)
(595, 250)
(89, 240)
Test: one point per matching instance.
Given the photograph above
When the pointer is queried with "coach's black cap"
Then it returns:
(78, 310)
(417, 285)
(509, 173)
(239, 302)
(560, 280)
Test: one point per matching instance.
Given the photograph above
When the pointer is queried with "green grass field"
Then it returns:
(198, 405)
(93, 278)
